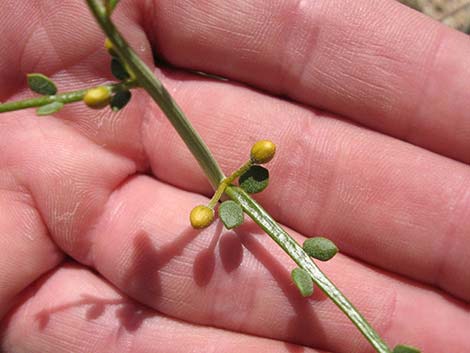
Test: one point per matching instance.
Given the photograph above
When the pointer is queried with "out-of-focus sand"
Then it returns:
(454, 13)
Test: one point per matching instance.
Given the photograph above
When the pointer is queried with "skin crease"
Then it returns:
(96, 250)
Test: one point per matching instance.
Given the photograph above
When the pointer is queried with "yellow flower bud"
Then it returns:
(97, 98)
(109, 47)
(201, 216)
(263, 151)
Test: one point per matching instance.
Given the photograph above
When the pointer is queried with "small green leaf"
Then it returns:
(256, 179)
(41, 84)
(303, 281)
(401, 348)
(49, 109)
(231, 214)
(118, 70)
(120, 100)
(320, 248)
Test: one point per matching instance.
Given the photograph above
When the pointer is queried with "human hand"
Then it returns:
(394, 200)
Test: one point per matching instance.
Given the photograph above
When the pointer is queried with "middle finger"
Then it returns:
(382, 200)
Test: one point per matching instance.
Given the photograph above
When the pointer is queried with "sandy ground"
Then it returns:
(454, 13)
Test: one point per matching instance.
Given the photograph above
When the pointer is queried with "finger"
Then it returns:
(27, 178)
(74, 60)
(36, 36)
(381, 200)
(26, 251)
(86, 314)
(241, 280)
(376, 62)
(68, 176)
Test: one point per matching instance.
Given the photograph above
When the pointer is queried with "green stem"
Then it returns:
(66, 97)
(295, 251)
(227, 181)
(242, 170)
(155, 89)
(202, 154)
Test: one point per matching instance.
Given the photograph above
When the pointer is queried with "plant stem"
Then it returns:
(242, 170)
(295, 251)
(66, 97)
(155, 89)
(227, 181)
(202, 154)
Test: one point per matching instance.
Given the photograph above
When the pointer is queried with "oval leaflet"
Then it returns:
(303, 281)
(231, 214)
(50, 108)
(255, 180)
(41, 84)
(320, 248)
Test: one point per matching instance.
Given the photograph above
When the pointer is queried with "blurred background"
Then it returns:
(454, 13)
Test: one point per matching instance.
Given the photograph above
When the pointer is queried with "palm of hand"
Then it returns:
(76, 185)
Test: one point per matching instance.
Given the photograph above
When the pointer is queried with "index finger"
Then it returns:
(376, 62)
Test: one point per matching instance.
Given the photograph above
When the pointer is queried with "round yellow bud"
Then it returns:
(97, 98)
(201, 216)
(263, 151)
(109, 47)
